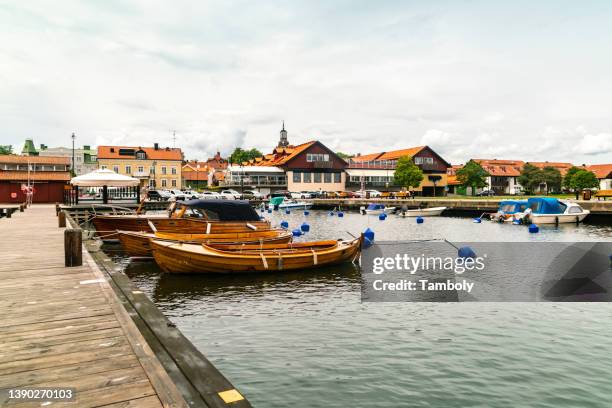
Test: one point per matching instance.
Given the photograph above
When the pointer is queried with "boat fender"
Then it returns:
(362, 210)
(284, 224)
(331, 213)
(534, 229)
(280, 262)
(369, 234)
(382, 216)
(466, 252)
(251, 226)
(419, 220)
(305, 227)
(296, 232)
(269, 211)
(557, 220)
(340, 214)
(208, 227)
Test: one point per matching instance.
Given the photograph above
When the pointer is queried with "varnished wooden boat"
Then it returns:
(136, 243)
(193, 258)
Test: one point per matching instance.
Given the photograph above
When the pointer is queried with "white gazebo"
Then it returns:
(105, 178)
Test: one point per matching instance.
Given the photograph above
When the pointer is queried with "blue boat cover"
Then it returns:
(512, 206)
(546, 205)
(376, 207)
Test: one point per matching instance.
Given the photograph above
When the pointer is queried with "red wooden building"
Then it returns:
(48, 175)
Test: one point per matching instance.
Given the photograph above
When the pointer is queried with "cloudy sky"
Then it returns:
(469, 78)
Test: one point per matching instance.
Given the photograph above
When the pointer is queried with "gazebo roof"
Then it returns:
(104, 177)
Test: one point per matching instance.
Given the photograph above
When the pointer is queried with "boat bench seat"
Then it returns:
(603, 194)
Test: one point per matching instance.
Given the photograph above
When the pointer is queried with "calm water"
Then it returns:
(306, 340)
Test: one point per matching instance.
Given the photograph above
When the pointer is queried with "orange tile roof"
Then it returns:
(452, 170)
(562, 167)
(366, 157)
(13, 158)
(163, 153)
(601, 171)
(35, 175)
(452, 181)
(282, 155)
(501, 168)
(396, 154)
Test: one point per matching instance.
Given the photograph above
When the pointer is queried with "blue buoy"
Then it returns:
(477, 220)
(269, 211)
(534, 229)
(466, 252)
(305, 227)
(287, 211)
(419, 220)
(262, 210)
(369, 234)
(517, 222)
(331, 213)
(382, 216)
(296, 232)
(367, 242)
(306, 212)
(284, 224)
(340, 214)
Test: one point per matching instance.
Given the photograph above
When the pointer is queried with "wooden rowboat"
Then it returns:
(136, 243)
(240, 258)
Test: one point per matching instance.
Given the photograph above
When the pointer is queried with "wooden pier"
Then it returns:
(66, 326)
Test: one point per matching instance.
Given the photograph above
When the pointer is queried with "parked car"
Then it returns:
(317, 194)
(191, 195)
(231, 194)
(368, 194)
(486, 193)
(178, 194)
(281, 193)
(346, 194)
(300, 194)
(211, 195)
(252, 195)
(158, 195)
(331, 194)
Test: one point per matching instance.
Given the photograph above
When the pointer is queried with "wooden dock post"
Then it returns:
(21, 207)
(61, 219)
(9, 213)
(73, 247)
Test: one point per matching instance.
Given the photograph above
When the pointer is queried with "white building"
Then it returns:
(85, 158)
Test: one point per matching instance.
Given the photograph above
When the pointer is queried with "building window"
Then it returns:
(429, 160)
(164, 170)
(151, 183)
(337, 177)
(307, 178)
(173, 170)
(327, 177)
(164, 183)
(128, 169)
(173, 182)
(418, 160)
(316, 157)
(103, 167)
(317, 177)
(141, 169)
(116, 169)
(297, 177)
(141, 155)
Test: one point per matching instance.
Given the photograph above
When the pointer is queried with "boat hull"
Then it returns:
(557, 218)
(189, 258)
(422, 212)
(138, 243)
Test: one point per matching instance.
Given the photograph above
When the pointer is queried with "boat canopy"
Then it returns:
(277, 200)
(222, 210)
(546, 205)
(372, 207)
(512, 206)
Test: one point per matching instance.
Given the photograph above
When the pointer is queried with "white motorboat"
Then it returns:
(374, 209)
(546, 210)
(421, 212)
(294, 205)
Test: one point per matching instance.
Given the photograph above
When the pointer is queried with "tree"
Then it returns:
(568, 180)
(343, 155)
(578, 179)
(552, 178)
(6, 149)
(407, 174)
(472, 175)
(531, 177)
(239, 155)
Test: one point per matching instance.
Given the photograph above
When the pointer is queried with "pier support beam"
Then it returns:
(73, 246)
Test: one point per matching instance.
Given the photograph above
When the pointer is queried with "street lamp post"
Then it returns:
(73, 137)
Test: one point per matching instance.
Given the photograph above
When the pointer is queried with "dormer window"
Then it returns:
(141, 155)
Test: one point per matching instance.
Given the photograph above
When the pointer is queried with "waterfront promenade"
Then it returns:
(65, 327)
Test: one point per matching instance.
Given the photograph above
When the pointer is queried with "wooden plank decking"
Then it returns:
(64, 327)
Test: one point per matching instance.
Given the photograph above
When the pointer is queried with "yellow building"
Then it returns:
(156, 167)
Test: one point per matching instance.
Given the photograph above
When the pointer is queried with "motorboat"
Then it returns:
(193, 258)
(548, 210)
(509, 211)
(282, 204)
(421, 212)
(373, 209)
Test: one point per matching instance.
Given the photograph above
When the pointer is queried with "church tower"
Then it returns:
(283, 142)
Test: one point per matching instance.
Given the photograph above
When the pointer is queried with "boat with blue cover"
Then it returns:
(507, 210)
(548, 210)
(375, 208)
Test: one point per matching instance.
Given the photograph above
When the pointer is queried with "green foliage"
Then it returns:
(568, 180)
(6, 149)
(407, 174)
(584, 179)
(552, 177)
(239, 155)
(472, 175)
(531, 177)
(343, 155)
